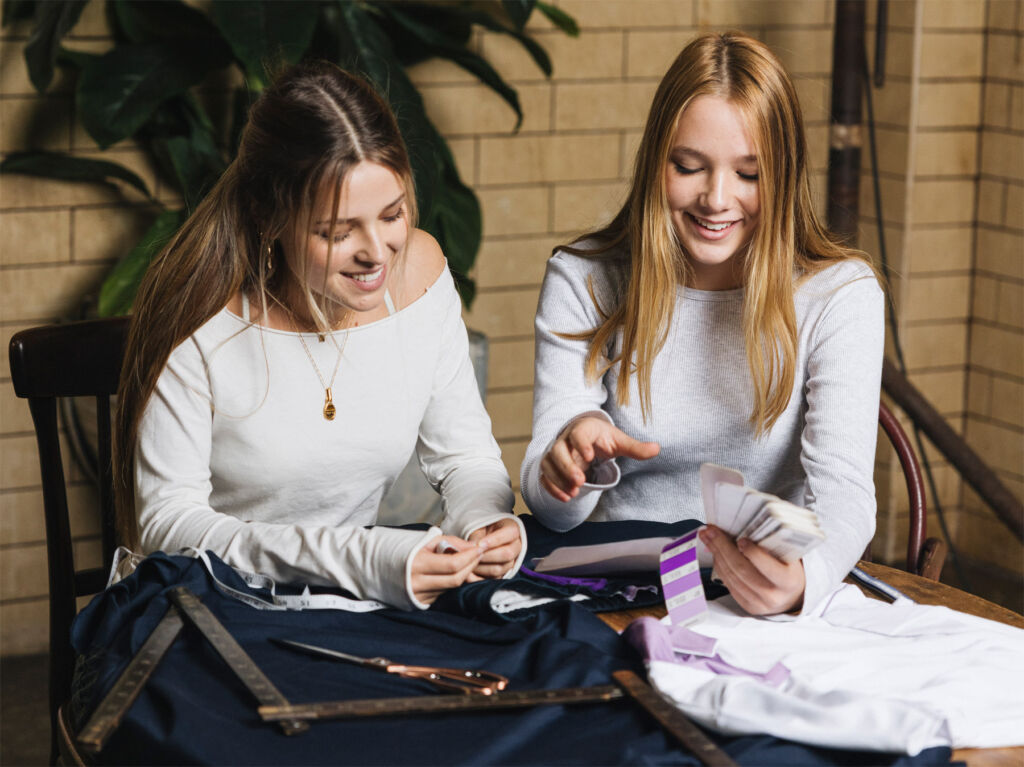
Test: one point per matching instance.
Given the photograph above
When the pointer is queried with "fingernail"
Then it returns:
(708, 534)
(743, 544)
(482, 545)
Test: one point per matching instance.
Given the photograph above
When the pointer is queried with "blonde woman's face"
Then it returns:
(350, 269)
(711, 182)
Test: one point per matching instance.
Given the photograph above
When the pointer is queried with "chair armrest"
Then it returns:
(933, 556)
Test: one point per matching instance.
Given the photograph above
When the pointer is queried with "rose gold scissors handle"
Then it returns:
(469, 681)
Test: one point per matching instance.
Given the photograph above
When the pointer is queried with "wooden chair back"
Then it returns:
(925, 556)
(78, 359)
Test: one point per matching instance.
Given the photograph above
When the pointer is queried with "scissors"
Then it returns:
(465, 681)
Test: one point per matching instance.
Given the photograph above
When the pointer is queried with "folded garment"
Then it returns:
(861, 674)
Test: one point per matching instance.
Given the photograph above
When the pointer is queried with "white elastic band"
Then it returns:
(125, 562)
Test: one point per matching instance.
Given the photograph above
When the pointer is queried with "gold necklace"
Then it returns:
(329, 409)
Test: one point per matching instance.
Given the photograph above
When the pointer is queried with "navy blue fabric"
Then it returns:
(621, 591)
(194, 711)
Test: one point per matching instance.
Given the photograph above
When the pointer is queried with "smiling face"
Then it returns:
(350, 269)
(711, 185)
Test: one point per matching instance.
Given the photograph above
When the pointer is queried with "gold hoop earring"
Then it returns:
(269, 263)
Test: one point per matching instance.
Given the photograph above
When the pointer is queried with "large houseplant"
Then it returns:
(144, 88)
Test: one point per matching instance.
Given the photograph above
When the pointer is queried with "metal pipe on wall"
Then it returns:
(845, 133)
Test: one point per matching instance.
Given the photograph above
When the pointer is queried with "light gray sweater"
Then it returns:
(819, 454)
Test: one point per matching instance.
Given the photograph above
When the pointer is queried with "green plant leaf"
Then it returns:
(559, 18)
(185, 146)
(69, 168)
(448, 209)
(260, 33)
(457, 222)
(67, 57)
(444, 19)
(117, 293)
(118, 92)
(537, 53)
(17, 10)
(473, 63)
(53, 20)
(519, 11)
(143, 22)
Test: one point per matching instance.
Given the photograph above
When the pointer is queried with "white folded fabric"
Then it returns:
(864, 674)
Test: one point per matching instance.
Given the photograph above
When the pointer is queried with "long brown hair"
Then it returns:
(789, 239)
(305, 132)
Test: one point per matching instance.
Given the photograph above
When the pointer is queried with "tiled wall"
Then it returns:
(563, 172)
(950, 160)
(995, 368)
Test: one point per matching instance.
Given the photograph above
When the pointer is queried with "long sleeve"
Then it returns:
(174, 485)
(561, 392)
(457, 452)
(837, 445)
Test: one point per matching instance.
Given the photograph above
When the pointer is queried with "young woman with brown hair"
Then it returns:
(713, 320)
(290, 347)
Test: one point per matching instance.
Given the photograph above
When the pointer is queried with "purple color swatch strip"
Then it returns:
(690, 609)
(679, 560)
(685, 583)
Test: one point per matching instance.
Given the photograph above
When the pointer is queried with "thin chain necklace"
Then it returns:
(329, 409)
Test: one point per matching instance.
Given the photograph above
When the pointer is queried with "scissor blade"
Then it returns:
(322, 652)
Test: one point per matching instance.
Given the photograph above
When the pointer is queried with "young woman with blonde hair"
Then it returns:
(290, 348)
(713, 320)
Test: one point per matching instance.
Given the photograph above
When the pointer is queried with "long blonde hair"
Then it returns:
(788, 241)
(305, 132)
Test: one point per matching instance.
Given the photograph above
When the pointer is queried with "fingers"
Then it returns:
(633, 448)
(562, 471)
(433, 573)
(503, 547)
(760, 583)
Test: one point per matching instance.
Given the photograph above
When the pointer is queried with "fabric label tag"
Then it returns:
(680, 581)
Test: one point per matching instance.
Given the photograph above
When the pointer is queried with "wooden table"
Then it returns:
(921, 590)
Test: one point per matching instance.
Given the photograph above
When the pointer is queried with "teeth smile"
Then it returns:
(712, 225)
(368, 277)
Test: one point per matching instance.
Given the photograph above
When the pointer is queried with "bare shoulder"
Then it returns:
(424, 263)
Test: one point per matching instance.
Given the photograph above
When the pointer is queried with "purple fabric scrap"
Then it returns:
(630, 592)
(564, 580)
(688, 648)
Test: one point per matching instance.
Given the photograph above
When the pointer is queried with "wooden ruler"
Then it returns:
(439, 704)
(126, 689)
(628, 685)
(111, 710)
(245, 669)
(673, 720)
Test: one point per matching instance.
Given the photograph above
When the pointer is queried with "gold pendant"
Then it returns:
(329, 410)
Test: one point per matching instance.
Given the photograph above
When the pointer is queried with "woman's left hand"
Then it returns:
(756, 579)
(503, 547)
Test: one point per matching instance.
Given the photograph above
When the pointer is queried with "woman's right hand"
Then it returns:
(433, 573)
(563, 469)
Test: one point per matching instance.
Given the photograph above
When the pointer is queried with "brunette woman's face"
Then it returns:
(711, 183)
(350, 269)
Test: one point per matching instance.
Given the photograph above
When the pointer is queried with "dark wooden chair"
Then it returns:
(79, 359)
(925, 556)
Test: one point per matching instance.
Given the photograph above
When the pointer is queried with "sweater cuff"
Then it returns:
(816, 588)
(412, 601)
(602, 474)
(485, 521)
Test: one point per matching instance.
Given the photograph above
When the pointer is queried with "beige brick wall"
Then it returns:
(565, 171)
(994, 408)
(950, 158)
